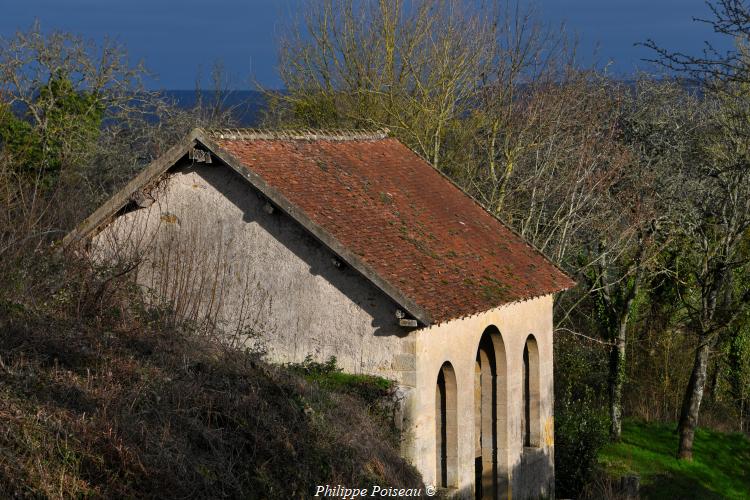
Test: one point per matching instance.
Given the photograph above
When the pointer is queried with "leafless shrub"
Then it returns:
(604, 487)
(96, 388)
(187, 266)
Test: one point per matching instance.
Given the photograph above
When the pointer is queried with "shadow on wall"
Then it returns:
(525, 485)
(294, 237)
(186, 270)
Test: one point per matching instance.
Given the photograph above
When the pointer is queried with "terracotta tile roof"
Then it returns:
(414, 228)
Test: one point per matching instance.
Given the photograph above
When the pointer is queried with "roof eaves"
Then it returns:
(501, 305)
(153, 171)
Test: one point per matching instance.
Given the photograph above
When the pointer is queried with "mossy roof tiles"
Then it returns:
(408, 223)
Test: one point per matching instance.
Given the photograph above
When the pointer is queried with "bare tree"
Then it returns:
(415, 68)
(564, 158)
(56, 92)
(510, 116)
(76, 123)
(714, 67)
(636, 230)
(715, 195)
(713, 225)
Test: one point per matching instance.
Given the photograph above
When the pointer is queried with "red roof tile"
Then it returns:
(408, 223)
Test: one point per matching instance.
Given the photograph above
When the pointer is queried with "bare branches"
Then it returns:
(31, 59)
(713, 68)
(415, 68)
(75, 122)
(710, 192)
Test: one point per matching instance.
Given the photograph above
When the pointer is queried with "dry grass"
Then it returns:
(103, 396)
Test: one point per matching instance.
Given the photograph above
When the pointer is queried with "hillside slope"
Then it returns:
(114, 402)
(719, 468)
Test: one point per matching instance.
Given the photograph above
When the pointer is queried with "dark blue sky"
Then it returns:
(177, 37)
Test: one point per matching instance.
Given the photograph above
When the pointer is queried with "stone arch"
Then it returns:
(531, 422)
(446, 427)
(490, 410)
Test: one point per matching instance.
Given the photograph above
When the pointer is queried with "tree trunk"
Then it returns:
(714, 381)
(617, 381)
(692, 401)
(617, 355)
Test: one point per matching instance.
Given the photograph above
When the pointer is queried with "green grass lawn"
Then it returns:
(720, 466)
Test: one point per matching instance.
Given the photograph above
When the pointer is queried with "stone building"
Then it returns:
(347, 244)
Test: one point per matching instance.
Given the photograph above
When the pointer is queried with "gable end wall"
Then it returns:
(212, 248)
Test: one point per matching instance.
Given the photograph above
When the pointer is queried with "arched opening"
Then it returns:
(531, 425)
(490, 403)
(446, 428)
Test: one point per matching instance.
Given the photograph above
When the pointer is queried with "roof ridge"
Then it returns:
(250, 134)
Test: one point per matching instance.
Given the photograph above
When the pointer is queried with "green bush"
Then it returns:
(581, 418)
(329, 376)
(581, 430)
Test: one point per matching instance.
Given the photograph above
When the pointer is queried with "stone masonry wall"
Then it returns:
(211, 247)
